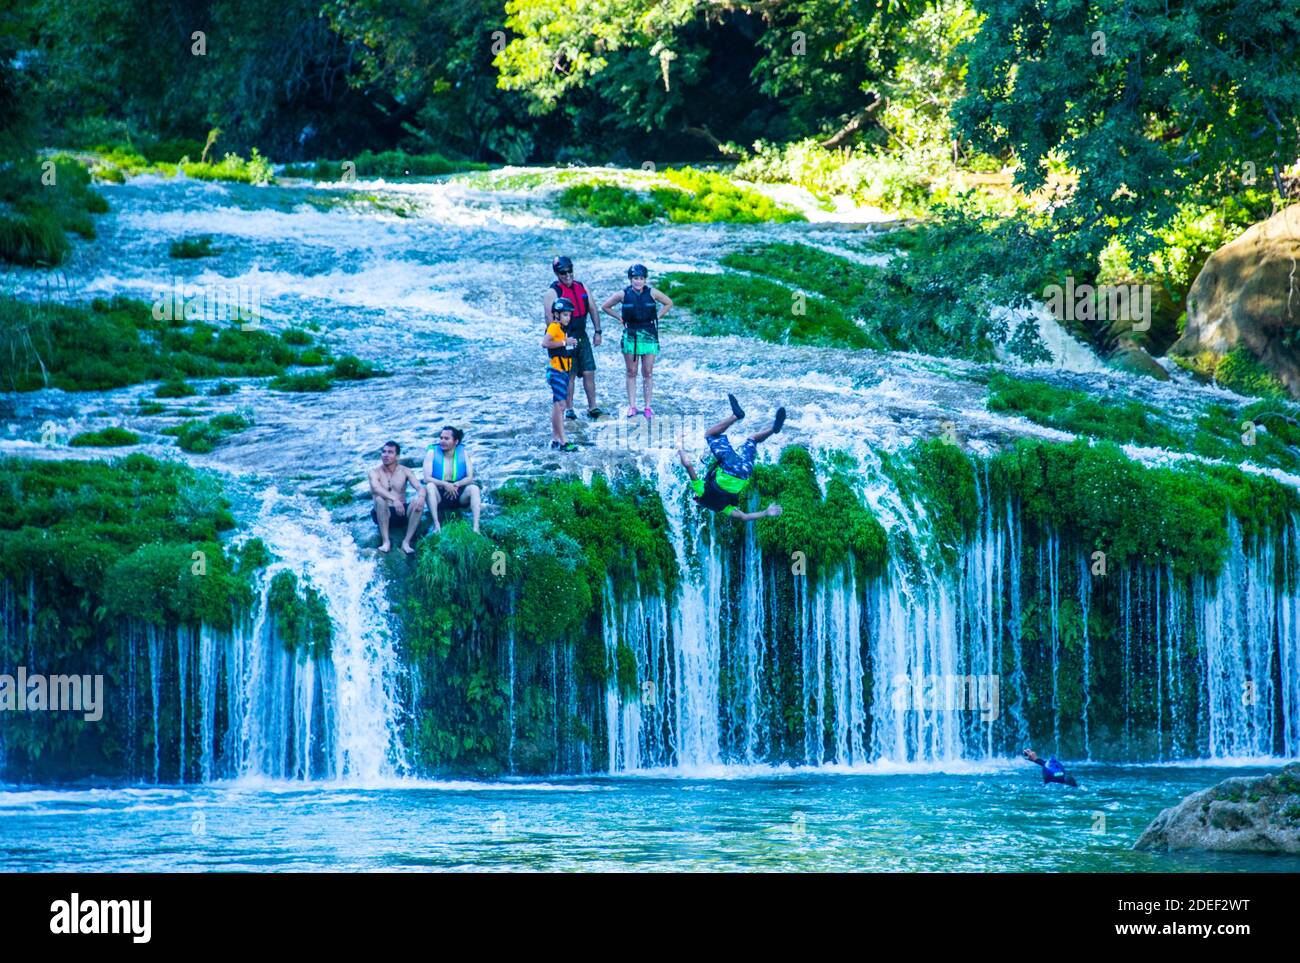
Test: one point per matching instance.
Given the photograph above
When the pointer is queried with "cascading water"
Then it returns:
(747, 663)
(1235, 625)
(263, 708)
(696, 627)
(337, 717)
(926, 664)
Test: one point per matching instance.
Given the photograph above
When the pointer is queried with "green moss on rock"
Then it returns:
(827, 527)
(105, 438)
(299, 614)
(1151, 514)
(735, 304)
(113, 343)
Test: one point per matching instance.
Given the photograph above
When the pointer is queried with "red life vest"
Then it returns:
(581, 305)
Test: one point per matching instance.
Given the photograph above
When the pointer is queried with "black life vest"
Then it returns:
(581, 306)
(640, 311)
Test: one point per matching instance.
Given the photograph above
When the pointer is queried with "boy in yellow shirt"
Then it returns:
(559, 345)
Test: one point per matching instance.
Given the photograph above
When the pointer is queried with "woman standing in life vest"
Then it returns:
(584, 358)
(449, 472)
(640, 315)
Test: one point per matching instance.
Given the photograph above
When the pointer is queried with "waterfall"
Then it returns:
(753, 649)
(355, 730)
(269, 710)
(1085, 596)
(931, 663)
(182, 672)
(154, 645)
(510, 705)
(622, 716)
(1009, 639)
(207, 673)
(1053, 576)
(1235, 628)
(696, 627)
(1289, 637)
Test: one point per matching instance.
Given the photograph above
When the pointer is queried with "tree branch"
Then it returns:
(704, 133)
(855, 123)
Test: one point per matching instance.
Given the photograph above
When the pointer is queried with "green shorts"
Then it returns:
(584, 358)
(640, 341)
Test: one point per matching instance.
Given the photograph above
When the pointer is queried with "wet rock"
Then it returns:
(1135, 360)
(1239, 815)
(1248, 295)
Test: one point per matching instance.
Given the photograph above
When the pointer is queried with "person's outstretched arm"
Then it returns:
(685, 459)
(770, 512)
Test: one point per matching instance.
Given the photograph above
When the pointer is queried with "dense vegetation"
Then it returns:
(202, 436)
(533, 581)
(105, 438)
(41, 202)
(1076, 141)
(111, 343)
(691, 196)
(93, 557)
(940, 298)
(1265, 432)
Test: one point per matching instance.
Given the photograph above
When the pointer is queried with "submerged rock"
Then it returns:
(1239, 815)
(1135, 360)
(1248, 296)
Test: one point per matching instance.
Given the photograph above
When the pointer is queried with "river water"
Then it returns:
(989, 818)
(446, 296)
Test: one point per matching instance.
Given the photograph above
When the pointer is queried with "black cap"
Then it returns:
(637, 271)
(561, 263)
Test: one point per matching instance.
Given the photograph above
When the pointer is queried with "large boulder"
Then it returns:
(1239, 815)
(1248, 296)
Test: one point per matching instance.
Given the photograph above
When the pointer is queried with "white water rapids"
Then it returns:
(448, 300)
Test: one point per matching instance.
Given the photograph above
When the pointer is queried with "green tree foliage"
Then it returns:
(1152, 104)
(273, 75)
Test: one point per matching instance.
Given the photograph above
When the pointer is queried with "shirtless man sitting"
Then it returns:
(388, 487)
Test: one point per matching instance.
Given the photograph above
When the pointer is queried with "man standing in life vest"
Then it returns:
(584, 358)
(728, 478)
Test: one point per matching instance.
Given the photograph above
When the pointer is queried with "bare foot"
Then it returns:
(385, 547)
(407, 549)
